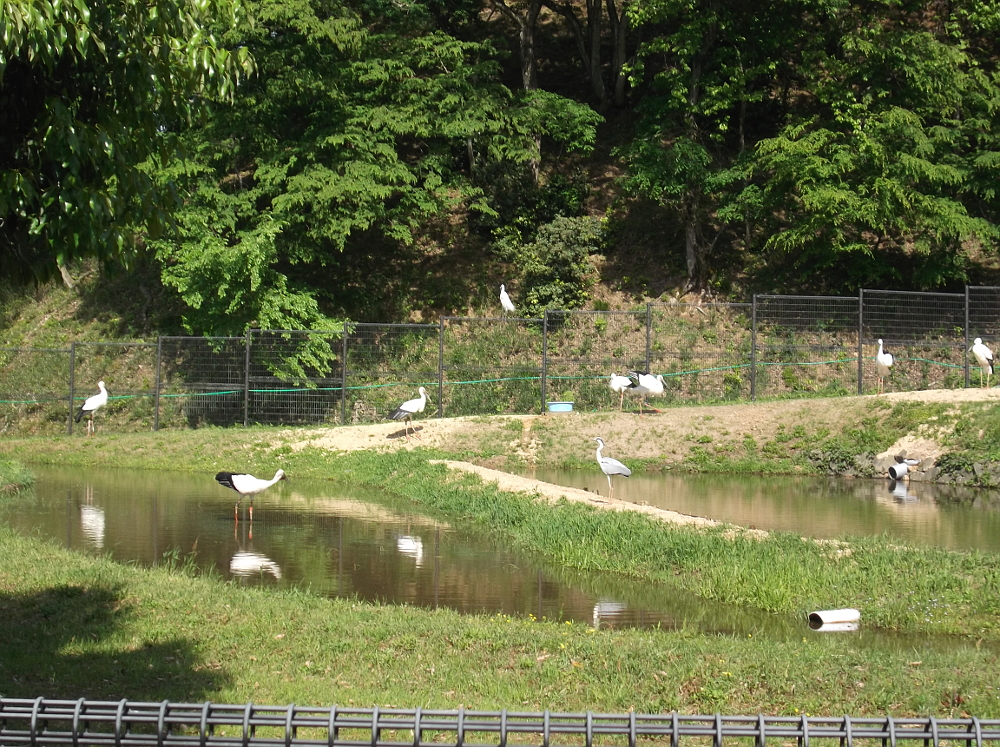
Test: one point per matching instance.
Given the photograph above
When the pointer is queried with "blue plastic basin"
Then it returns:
(560, 407)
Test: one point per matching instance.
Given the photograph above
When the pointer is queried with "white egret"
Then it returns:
(247, 486)
(610, 467)
(883, 366)
(985, 357)
(408, 409)
(505, 302)
(92, 405)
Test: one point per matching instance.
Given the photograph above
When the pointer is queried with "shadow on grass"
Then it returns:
(63, 642)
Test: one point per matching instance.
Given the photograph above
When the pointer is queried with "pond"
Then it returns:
(359, 543)
(915, 513)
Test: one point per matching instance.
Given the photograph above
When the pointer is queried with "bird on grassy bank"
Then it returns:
(883, 366)
(505, 303)
(646, 384)
(92, 405)
(247, 486)
(621, 384)
(407, 410)
(985, 357)
(610, 467)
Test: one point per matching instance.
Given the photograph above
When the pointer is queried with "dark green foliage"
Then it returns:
(556, 271)
(87, 93)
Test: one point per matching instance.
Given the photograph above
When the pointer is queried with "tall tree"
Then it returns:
(888, 174)
(356, 129)
(87, 91)
(703, 65)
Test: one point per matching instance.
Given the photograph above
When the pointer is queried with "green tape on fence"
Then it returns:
(463, 383)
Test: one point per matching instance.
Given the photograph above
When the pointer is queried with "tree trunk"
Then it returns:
(529, 67)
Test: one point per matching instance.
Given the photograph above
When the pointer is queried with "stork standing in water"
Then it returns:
(646, 384)
(407, 410)
(610, 467)
(92, 405)
(883, 366)
(621, 384)
(985, 357)
(506, 304)
(247, 486)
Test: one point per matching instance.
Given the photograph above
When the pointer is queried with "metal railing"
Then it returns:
(42, 722)
(776, 346)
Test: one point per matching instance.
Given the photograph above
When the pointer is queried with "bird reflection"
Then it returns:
(412, 546)
(900, 491)
(92, 523)
(249, 563)
(607, 609)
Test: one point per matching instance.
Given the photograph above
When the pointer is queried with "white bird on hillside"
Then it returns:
(985, 357)
(610, 466)
(408, 409)
(645, 385)
(883, 366)
(92, 405)
(247, 485)
(505, 302)
(621, 384)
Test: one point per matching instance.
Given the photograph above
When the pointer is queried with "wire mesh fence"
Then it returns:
(776, 346)
(806, 345)
(703, 351)
(583, 349)
(42, 722)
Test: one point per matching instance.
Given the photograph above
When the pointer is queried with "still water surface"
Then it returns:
(921, 514)
(361, 544)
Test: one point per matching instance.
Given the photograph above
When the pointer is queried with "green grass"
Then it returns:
(77, 626)
(14, 476)
(779, 573)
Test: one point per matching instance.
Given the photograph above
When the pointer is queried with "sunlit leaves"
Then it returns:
(89, 92)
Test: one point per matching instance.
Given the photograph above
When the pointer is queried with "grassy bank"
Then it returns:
(14, 476)
(78, 626)
(922, 590)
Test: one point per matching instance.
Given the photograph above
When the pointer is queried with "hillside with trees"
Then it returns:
(253, 163)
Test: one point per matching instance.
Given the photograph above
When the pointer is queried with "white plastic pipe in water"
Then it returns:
(833, 620)
(897, 471)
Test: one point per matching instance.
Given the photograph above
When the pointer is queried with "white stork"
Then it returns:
(621, 384)
(92, 405)
(247, 486)
(408, 409)
(985, 357)
(883, 366)
(646, 384)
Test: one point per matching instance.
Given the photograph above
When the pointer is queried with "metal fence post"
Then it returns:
(246, 383)
(156, 395)
(545, 355)
(861, 333)
(753, 350)
(649, 324)
(72, 382)
(441, 368)
(343, 378)
(965, 355)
